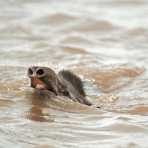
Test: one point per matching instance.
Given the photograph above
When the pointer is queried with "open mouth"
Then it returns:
(38, 84)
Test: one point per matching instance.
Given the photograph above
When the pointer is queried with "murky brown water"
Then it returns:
(105, 42)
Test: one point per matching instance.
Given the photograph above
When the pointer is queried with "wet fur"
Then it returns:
(73, 86)
(74, 80)
(65, 83)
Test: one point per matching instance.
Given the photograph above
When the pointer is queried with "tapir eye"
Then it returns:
(30, 72)
(40, 72)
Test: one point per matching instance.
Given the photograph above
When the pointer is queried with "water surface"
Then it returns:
(105, 43)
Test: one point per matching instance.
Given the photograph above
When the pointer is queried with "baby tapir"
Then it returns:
(65, 83)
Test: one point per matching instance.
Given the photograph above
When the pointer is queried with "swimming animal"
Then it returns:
(64, 83)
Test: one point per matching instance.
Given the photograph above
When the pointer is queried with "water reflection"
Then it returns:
(39, 110)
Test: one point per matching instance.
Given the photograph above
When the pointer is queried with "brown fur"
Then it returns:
(65, 83)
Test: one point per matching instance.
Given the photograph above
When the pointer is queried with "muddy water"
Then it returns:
(105, 43)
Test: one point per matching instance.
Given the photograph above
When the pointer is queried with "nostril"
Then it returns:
(40, 72)
(30, 72)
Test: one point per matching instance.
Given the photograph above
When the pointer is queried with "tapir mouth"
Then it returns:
(38, 84)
